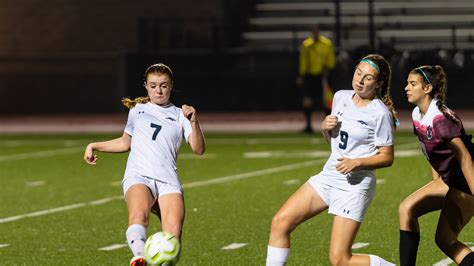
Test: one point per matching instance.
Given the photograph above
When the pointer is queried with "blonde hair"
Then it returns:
(385, 77)
(160, 69)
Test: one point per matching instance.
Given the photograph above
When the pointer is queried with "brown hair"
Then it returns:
(384, 77)
(160, 69)
(436, 76)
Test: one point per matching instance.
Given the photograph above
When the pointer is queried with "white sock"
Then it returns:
(136, 237)
(277, 256)
(378, 261)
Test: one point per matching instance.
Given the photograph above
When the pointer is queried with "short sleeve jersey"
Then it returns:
(434, 132)
(157, 133)
(359, 134)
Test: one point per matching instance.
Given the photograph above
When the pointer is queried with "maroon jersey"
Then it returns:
(434, 132)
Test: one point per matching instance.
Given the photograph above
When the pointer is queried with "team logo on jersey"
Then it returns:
(170, 118)
(362, 122)
(429, 133)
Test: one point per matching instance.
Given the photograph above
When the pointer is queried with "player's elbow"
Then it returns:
(388, 161)
(199, 150)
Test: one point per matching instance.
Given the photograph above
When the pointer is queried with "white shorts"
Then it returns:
(349, 204)
(158, 188)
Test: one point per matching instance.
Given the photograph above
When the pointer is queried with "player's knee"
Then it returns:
(405, 209)
(281, 223)
(138, 217)
(443, 241)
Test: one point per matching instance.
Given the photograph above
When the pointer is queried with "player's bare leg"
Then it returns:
(427, 199)
(302, 205)
(344, 231)
(456, 213)
(172, 213)
(139, 202)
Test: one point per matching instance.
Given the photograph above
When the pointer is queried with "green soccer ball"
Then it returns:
(162, 248)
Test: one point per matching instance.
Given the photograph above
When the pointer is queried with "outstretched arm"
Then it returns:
(383, 158)
(117, 145)
(465, 160)
(196, 139)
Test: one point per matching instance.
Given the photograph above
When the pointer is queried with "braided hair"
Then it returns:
(160, 69)
(436, 76)
(384, 77)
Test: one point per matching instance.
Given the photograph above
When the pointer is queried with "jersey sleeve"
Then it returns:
(130, 121)
(186, 124)
(335, 101)
(384, 130)
(446, 129)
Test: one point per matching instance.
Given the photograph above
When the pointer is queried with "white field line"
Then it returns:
(195, 156)
(292, 182)
(188, 185)
(59, 209)
(39, 154)
(35, 183)
(259, 141)
(18, 143)
(359, 245)
(235, 246)
(448, 261)
(4, 245)
(113, 247)
(251, 174)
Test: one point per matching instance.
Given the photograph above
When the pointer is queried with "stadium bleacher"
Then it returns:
(408, 25)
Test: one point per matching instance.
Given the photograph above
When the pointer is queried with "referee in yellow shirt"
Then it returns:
(316, 60)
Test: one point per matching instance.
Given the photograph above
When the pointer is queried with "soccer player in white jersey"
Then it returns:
(153, 135)
(360, 132)
(449, 151)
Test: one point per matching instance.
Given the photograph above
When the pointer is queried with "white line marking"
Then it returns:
(116, 183)
(113, 247)
(188, 185)
(380, 181)
(285, 154)
(292, 182)
(195, 156)
(251, 174)
(59, 209)
(407, 153)
(4, 245)
(447, 261)
(258, 141)
(444, 262)
(359, 245)
(35, 183)
(17, 143)
(39, 154)
(235, 246)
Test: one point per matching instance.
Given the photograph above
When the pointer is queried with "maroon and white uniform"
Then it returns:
(434, 132)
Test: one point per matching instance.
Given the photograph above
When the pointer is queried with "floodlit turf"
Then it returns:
(46, 173)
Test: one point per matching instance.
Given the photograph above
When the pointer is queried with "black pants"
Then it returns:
(313, 89)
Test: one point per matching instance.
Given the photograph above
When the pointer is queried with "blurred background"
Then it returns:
(82, 57)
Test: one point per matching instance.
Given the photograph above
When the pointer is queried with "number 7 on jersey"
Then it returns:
(157, 130)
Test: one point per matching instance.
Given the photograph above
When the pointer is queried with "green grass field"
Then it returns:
(57, 210)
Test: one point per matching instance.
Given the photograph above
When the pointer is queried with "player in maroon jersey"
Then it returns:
(449, 151)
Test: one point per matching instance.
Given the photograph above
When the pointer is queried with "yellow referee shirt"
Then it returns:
(316, 56)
